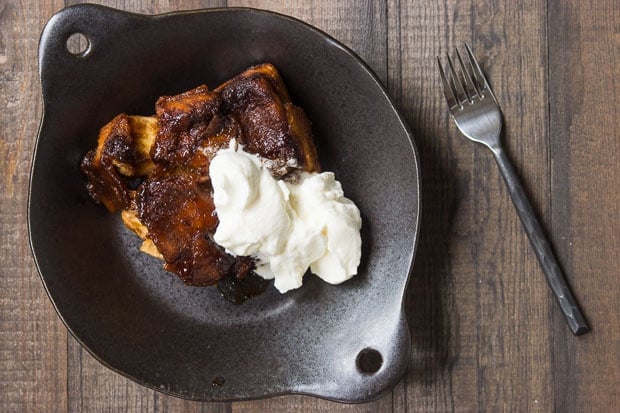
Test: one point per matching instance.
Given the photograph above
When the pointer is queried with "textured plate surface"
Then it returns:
(143, 322)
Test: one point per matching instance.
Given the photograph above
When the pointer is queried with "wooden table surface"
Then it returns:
(486, 331)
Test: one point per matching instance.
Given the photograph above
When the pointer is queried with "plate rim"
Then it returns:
(333, 42)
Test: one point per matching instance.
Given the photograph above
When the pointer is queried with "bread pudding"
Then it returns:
(155, 169)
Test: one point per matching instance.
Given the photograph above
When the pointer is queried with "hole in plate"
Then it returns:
(78, 44)
(218, 381)
(369, 361)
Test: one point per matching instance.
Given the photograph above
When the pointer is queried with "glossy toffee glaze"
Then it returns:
(172, 207)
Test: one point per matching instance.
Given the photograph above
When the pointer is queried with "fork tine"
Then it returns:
(461, 96)
(479, 74)
(448, 91)
(470, 84)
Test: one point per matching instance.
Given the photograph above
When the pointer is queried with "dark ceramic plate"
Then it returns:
(348, 342)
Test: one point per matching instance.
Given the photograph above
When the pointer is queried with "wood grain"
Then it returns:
(584, 67)
(33, 361)
(486, 333)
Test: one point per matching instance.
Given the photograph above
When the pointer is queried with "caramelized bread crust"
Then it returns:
(122, 152)
(272, 126)
(171, 208)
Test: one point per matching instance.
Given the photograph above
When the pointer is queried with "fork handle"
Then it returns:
(555, 277)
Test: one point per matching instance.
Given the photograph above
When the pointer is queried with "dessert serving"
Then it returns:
(223, 183)
(187, 341)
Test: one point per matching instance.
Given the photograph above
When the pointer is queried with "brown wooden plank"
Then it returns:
(478, 302)
(32, 340)
(513, 346)
(584, 68)
(361, 25)
(92, 387)
(304, 404)
(412, 43)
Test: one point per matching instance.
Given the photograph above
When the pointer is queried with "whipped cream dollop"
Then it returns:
(287, 227)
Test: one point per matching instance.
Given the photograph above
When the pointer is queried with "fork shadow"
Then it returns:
(428, 300)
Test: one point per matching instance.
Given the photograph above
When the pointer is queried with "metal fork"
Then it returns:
(476, 112)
